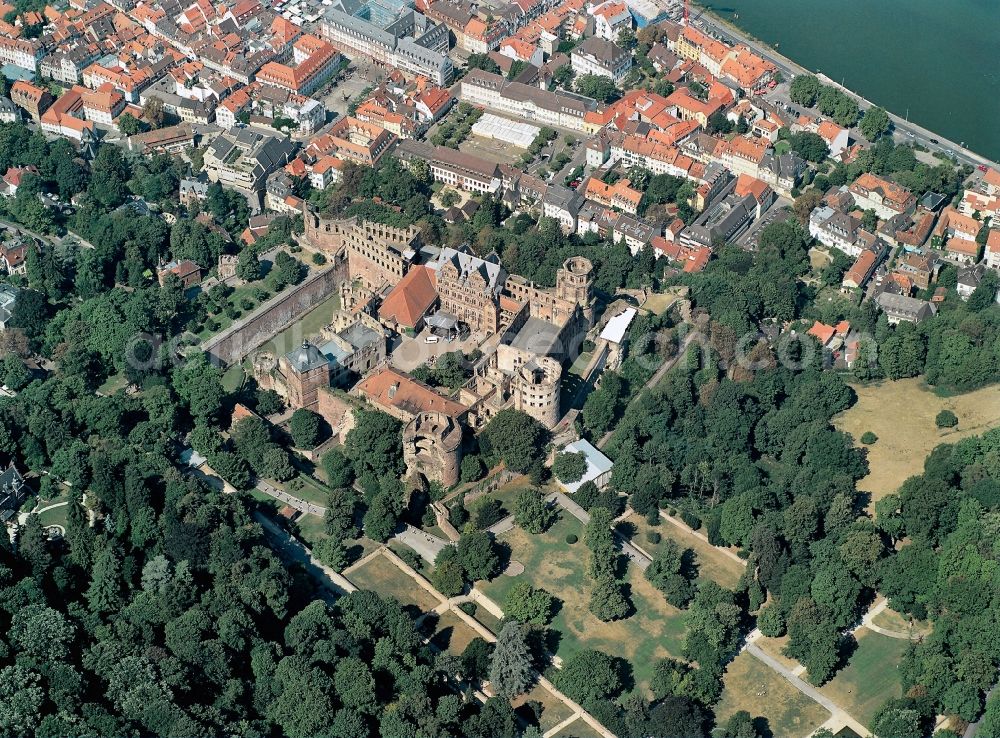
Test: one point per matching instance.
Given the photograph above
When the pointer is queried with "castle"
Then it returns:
(524, 331)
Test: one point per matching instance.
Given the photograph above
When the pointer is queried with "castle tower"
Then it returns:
(306, 369)
(536, 390)
(574, 284)
(432, 446)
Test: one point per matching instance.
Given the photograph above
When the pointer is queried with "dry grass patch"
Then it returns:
(659, 302)
(902, 415)
(554, 710)
(579, 728)
(775, 647)
(892, 620)
(452, 633)
(750, 685)
(384, 577)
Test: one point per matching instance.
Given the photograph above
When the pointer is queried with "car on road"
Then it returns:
(983, 168)
(933, 140)
(576, 183)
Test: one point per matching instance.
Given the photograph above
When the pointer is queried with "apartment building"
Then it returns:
(22, 53)
(350, 138)
(33, 99)
(886, 198)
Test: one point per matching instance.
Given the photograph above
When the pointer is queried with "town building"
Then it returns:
(601, 57)
(886, 198)
(412, 44)
(31, 98)
(13, 492)
(904, 309)
(313, 62)
(454, 168)
(185, 270)
(525, 102)
(403, 397)
(244, 160)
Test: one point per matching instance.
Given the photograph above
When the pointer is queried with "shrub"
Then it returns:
(691, 520)
(652, 536)
(868, 438)
(572, 538)
(946, 419)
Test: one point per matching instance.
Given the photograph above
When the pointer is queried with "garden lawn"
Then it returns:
(871, 676)
(310, 490)
(54, 516)
(712, 562)
(307, 327)
(752, 686)
(380, 575)
(312, 529)
(653, 632)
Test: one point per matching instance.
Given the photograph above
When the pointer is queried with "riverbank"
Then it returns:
(723, 27)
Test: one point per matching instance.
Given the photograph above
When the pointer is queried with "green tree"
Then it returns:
(375, 444)
(105, 594)
(15, 374)
(448, 575)
(672, 573)
(306, 428)
(875, 123)
(946, 419)
(597, 86)
(532, 513)
(129, 125)
(607, 600)
(515, 438)
(510, 664)
(588, 676)
(527, 604)
(478, 553)
(569, 466)
(804, 90)
(381, 518)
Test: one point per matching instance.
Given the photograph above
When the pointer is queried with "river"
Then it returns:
(937, 61)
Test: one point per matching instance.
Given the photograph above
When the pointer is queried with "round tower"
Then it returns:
(574, 283)
(432, 446)
(536, 390)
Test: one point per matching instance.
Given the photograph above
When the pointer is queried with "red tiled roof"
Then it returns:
(411, 297)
